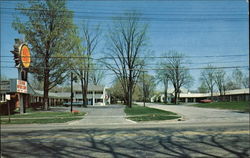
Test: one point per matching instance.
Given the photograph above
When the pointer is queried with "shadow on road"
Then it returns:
(122, 143)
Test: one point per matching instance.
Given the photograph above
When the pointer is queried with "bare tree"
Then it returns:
(245, 81)
(237, 77)
(146, 86)
(208, 77)
(127, 40)
(162, 76)
(203, 88)
(96, 75)
(220, 81)
(82, 66)
(177, 73)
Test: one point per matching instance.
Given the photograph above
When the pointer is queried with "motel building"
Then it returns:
(97, 95)
(188, 97)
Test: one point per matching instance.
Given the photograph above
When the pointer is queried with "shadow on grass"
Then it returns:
(122, 143)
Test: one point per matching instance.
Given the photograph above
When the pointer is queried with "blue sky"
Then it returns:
(194, 28)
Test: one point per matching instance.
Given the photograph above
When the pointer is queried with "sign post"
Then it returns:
(8, 102)
(22, 60)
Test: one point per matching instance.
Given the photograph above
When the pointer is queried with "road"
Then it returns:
(203, 115)
(162, 141)
(208, 136)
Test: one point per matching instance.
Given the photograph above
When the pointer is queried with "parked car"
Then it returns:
(206, 101)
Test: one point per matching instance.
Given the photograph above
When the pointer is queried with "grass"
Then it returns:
(240, 106)
(140, 113)
(42, 117)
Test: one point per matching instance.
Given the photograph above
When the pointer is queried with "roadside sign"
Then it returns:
(7, 96)
(25, 55)
(21, 86)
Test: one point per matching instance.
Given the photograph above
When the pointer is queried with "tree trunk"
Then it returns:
(46, 92)
(83, 100)
(85, 93)
(166, 91)
(46, 86)
(175, 97)
(212, 93)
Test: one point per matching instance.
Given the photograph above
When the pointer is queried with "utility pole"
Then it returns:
(143, 87)
(72, 95)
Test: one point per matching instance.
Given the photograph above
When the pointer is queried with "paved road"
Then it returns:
(205, 115)
(99, 115)
(168, 141)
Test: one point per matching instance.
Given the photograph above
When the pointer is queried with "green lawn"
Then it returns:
(42, 117)
(241, 106)
(139, 113)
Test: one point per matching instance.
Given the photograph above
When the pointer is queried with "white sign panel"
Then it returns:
(21, 86)
(7, 96)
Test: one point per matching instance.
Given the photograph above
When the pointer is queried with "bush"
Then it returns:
(75, 112)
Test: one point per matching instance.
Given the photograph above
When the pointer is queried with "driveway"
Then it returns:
(100, 115)
(206, 115)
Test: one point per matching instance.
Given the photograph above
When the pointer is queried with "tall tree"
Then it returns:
(96, 75)
(177, 73)
(245, 81)
(146, 86)
(82, 66)
(208, 77)
(162, 76)
(203, 88)
(126, 42)
(47, 32)
(220, 81)
(237, 78)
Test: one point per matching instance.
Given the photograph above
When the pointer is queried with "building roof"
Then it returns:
(52, 94)
(90, 88)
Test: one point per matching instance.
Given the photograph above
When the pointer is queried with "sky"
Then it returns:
(206, 31)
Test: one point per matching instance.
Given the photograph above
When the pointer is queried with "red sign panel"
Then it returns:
(21, 86)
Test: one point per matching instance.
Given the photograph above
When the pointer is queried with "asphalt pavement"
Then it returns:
(105, 132)
(192, 114)
(161, 142)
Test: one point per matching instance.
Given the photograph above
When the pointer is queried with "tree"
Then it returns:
(245, 81)
(162, 76)
(96, 75)
(220, 81)
(126, 42)
(208, 77)
(146, 86)
(116, 92)
(47, 32)
(176, 72)
(203, 88)
(237, 77)
(83, 65)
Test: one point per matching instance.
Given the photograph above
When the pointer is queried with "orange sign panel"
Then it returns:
(25, 55)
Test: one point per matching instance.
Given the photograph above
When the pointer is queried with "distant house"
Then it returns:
(97, 95)
(187, 97)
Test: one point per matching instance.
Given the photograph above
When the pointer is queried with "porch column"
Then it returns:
(93, 98)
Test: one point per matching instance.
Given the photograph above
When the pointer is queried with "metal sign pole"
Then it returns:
(20, 96)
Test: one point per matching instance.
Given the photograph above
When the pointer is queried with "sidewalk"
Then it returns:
(101, 115)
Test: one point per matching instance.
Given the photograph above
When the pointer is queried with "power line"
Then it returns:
(148, 69)
(157, 64)
(142, 57)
